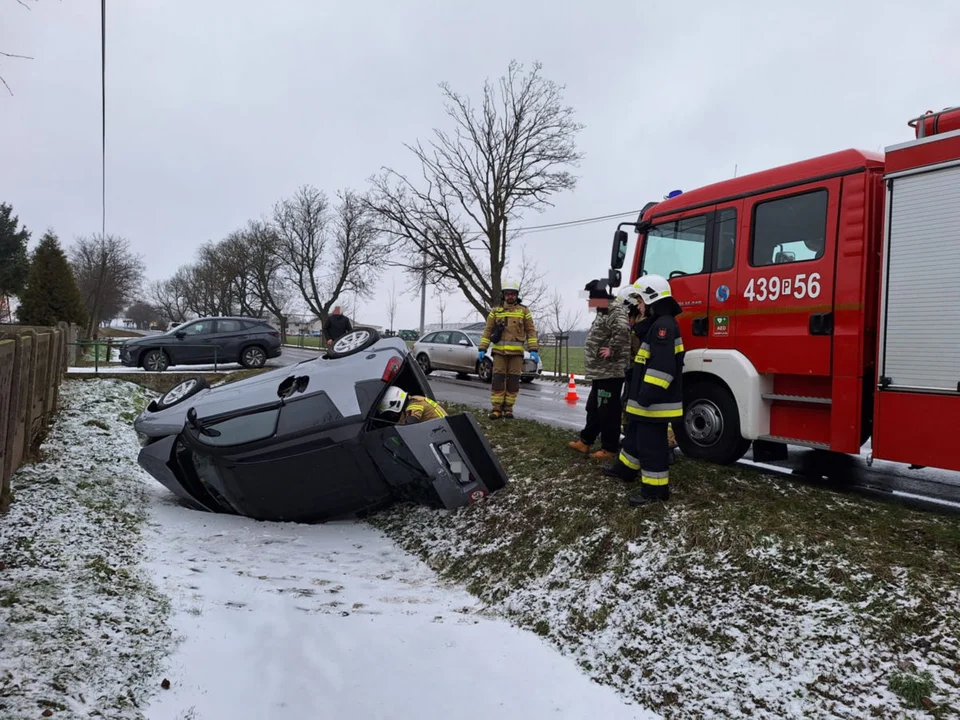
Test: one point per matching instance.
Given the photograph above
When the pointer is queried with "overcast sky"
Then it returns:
(216, 109)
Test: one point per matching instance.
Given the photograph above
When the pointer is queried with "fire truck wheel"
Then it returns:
(711, 425)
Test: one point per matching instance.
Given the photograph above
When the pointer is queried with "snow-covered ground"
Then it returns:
(108, 588)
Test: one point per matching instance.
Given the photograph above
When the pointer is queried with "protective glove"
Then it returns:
(480, 355)
(534, 356)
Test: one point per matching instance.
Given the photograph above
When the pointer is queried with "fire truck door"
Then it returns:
(676, 248)
(784, 313)
(724, 242)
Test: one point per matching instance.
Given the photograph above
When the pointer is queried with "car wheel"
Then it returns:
(526, 379)
(156, 361)
(710, 429)
(353, 342)
(424, 362)
(253, 357)
(181, 391)
(485, 370)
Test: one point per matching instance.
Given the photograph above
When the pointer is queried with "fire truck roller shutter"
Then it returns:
(734, 369)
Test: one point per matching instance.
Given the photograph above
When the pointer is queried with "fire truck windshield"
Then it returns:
(675, 247)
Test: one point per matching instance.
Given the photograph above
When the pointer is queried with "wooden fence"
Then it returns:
(33, 361)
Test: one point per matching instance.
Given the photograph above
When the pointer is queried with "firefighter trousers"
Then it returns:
(505, 385)
(603, 414)
(646, 448)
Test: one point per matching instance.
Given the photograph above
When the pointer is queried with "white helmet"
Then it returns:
(651, 288)
(510, 285)
(393, 400)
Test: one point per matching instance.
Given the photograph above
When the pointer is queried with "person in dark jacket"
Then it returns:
(336, 326)
(656, 394)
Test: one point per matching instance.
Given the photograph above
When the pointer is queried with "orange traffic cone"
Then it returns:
(572, 396)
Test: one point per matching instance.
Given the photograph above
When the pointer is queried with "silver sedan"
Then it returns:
(457, 350)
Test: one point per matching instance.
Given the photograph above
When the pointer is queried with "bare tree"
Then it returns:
(264, 257)
(108, 275)
(533, 288)
(329, 252)
(392, 304)
(560, 320)
(441, 303)
(509, 156)
(169, 296)
(142, 314)
(22, 3)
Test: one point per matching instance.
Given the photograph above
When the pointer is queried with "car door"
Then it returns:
(463, 355)
(785, 284)
(195, 343)
(228, 338)
(676, 248)
(439, 351)
(724, 259)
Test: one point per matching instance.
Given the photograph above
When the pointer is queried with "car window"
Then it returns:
(789, 229)
(244, 429)
(428, 338)
(675, 248)
(204, 327)
(475, 337)
(228, 326)
(441, 337)
(456, 337)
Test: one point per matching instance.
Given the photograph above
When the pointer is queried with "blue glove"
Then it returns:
(480, 355)
(534, 356)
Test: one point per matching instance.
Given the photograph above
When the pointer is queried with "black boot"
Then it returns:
(641, 499)
(620, 471)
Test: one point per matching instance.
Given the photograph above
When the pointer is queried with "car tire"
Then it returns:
(181, 391)
(253, 356)
(710, 429)
(485, 370)
(353, 342)
(526, 379)
(424, 362)
(155, 360)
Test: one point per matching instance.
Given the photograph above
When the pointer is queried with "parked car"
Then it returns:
(305, 442)
(457, 350)
(248, 341)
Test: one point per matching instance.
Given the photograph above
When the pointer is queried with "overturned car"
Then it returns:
(306, 442)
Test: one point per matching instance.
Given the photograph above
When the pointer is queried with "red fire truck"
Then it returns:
(821, 302)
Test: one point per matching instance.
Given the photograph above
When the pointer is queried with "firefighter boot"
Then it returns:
(640, 499)
(508, 413)
(671, 440)
(602, 454)
(579, 446)
(494, 414)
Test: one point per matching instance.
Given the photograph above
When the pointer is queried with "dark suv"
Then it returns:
(247, 341)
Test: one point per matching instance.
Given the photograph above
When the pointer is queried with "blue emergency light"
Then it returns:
(673, 194)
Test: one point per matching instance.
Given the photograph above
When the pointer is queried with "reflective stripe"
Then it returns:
(652, 479)
(629, 460)
(509, 314)
(678, 346)
(436, 408)
(655, 377)
(508, 346)
(641, 356)
(414, 408)
(645, 346)
(657, 410)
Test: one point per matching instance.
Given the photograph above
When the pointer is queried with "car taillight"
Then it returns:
(393, 368)
(274, 333)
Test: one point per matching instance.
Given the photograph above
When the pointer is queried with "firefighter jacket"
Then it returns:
(638, 330)
(514, 325)
(421, 409)
(656, 389)
(610, 330)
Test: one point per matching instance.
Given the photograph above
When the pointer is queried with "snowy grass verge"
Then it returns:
(84, 631)
(746, 595)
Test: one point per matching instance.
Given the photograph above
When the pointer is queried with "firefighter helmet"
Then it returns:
(393, 400)
(510, 286)
(651, 288)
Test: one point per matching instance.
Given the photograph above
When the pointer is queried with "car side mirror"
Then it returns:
(619, 252)
(180, 334)
(613, 278)
(464, 342)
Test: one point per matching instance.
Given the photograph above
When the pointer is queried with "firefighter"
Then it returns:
(509, 326)
(656, 394)
(410, 408)
(606, 354)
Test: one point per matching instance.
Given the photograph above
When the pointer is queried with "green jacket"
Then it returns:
(609, 329)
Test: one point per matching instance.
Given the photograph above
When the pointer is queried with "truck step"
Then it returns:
(795, 441)
(797, 398)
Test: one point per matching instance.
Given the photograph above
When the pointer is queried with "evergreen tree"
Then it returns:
(52, 292)
(13, 252)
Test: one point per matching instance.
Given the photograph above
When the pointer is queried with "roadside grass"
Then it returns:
(744, 595)
(548, 356)
(84, 630)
